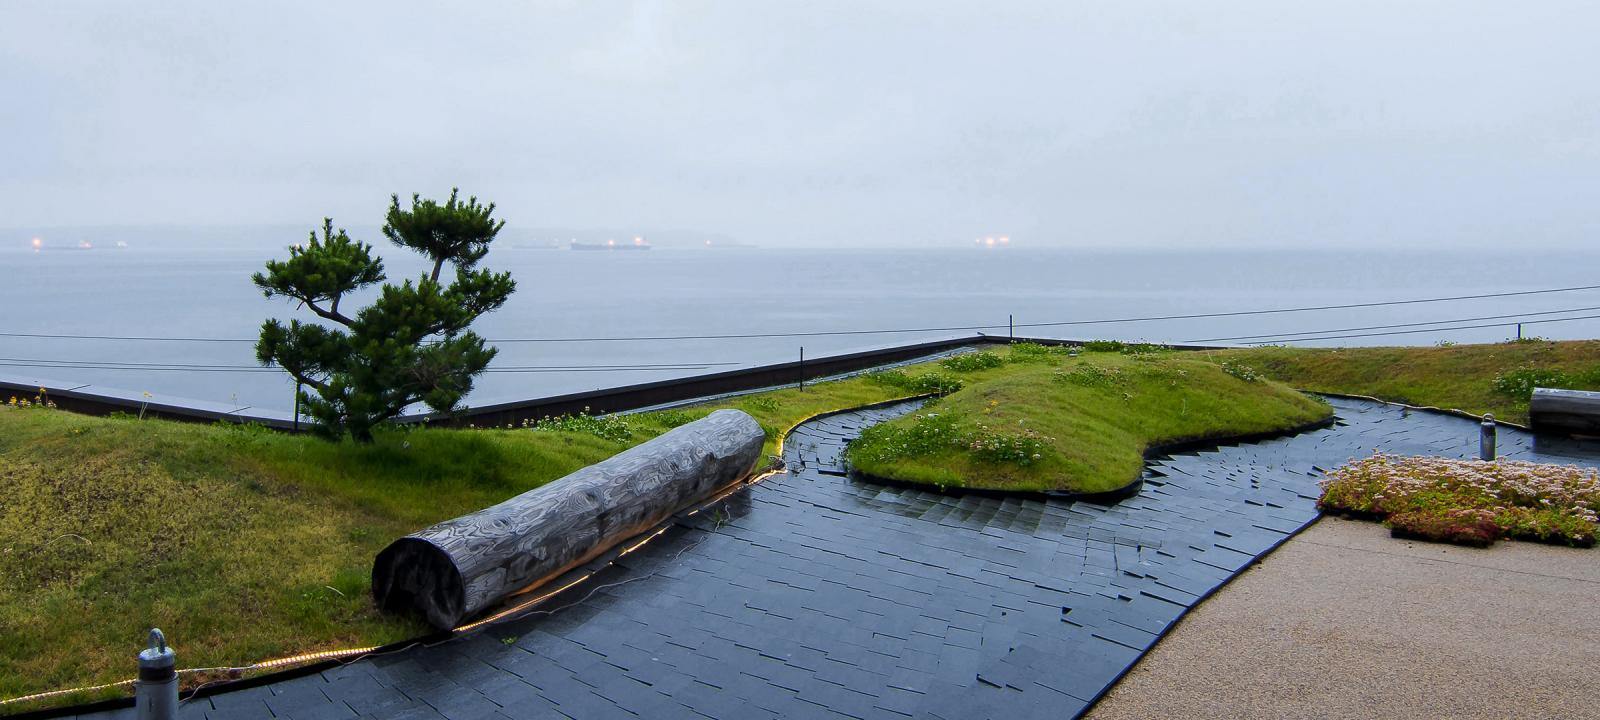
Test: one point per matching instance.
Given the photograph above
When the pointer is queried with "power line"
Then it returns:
(142, 368)
(274, 371)
(176, 367)
(603, 369)
(1273, 339)
(1424, 330)
(1062, 323)
(144, 338)
(749, 336)
(96, 363)
(1317, 307)
(953, 328)
(645, 366)
(1396, 325)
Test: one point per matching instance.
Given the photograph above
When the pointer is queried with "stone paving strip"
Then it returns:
(812, 595)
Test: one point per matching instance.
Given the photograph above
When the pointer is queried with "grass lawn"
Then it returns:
(1042, 421)
(244, 544)
(1462, 377)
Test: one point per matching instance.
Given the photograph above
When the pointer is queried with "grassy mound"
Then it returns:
(1496, 378)
(1046, 421)
(1469, 502)
(245, 544)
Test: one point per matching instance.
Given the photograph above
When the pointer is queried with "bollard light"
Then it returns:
(1486, 438)
(156, 692)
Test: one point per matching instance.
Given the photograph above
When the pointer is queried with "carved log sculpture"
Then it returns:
(1564, 412)
(455, 569)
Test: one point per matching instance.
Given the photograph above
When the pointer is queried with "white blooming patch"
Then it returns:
(1522, 499)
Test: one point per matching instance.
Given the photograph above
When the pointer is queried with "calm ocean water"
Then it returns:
(202, 289)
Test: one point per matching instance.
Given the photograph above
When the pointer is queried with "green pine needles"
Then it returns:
(411, 344)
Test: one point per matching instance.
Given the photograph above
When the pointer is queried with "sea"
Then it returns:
(576, 317)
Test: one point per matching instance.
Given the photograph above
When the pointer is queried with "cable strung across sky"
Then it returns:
(1281, 340)
(180, 367)
(1403, 325)
(954, 328)
(1424, 330)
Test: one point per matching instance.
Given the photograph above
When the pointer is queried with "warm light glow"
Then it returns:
(55, 693)
(310, 657)
(988, 242)
(37, 243)
(638, 241)
(641, 543)
(519, 608)
(611, 242)
(1005, 240)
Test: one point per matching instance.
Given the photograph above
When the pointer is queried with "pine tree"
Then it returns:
(411, 344)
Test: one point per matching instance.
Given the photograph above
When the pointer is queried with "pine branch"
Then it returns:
(332, 314)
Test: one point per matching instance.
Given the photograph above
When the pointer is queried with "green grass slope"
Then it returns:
(1494, 378)
(1078, 424)
(244, 544)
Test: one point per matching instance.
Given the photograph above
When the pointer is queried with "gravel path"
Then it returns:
(1345, 622)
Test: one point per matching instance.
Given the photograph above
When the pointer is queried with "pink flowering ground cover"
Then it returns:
(1468, 502)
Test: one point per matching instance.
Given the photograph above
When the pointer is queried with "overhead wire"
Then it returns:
(1429, 326)
(820, 333)
(1396, 325)
(192, 367)
(1279, 340)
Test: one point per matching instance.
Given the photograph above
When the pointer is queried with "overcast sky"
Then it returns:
(1244, 123)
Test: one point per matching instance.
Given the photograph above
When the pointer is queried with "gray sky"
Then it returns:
(1260, 123)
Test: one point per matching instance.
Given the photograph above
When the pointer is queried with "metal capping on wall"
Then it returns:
(95, 400)
(92, 400)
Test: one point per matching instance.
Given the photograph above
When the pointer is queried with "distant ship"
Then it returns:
(637, 244)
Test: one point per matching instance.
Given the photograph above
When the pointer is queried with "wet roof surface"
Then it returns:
(812, 595)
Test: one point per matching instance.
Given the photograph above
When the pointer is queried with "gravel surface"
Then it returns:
(1345, 622)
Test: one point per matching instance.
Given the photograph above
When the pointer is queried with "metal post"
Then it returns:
(1486, 438)
(1519, 331)
(156, 692)
(802, 368)
(297, 406)
(1011, 328)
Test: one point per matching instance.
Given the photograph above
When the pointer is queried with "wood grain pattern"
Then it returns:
(1565, 412)
(454, 569)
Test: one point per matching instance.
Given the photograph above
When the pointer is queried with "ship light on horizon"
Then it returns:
(988, 242)
(611, 243)
(37, 243)
(638, 241)
(1005, 240)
